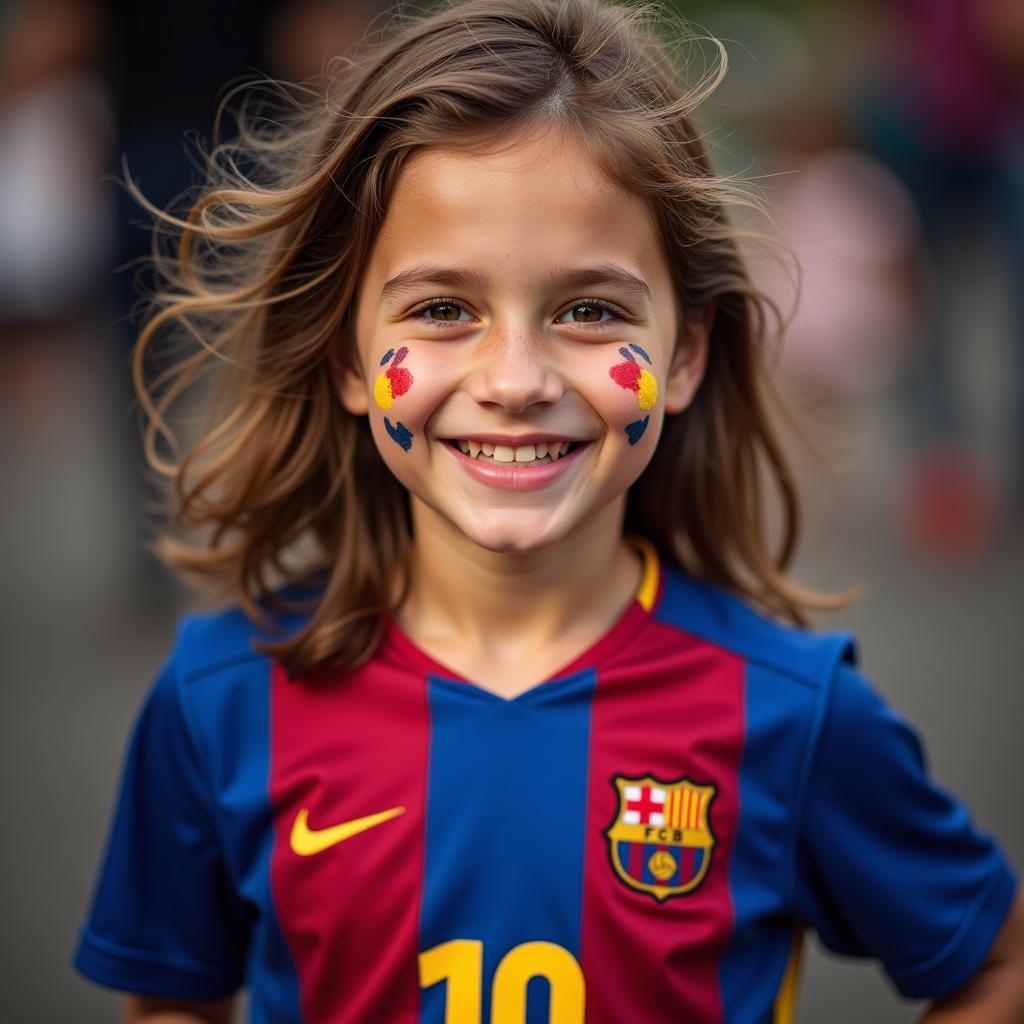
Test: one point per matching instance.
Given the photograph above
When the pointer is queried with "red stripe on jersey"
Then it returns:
(686, 862)
(350, 912)
(644, 959)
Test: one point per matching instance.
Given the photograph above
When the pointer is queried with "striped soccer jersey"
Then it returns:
(639, 839)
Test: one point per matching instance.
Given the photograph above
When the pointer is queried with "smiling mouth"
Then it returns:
(539, 454)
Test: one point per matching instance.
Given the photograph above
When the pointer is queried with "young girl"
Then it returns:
(502, 727)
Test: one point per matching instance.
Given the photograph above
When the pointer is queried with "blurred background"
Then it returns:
(887, 137)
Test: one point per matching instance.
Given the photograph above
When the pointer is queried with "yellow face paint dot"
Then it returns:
(647, 392)
(382, 392)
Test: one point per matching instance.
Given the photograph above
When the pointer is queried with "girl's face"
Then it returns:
(517, 299)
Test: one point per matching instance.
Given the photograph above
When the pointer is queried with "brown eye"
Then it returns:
(593, 313)
(589, 312)
(450, 306)
(450, 313)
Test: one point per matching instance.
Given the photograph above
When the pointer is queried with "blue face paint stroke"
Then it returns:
(635, 430)
(638, 349)
(387, 355)
(400, 434)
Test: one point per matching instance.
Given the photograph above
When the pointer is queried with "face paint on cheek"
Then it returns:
(636, 429)
(394, 382)
(629, 374)
(399, 433)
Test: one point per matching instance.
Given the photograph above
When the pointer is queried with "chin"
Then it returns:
(513, 532)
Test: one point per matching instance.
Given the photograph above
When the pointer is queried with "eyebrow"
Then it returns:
(453, 277)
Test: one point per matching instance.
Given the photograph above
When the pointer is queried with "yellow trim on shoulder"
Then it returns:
(648, 590)
(785, 998)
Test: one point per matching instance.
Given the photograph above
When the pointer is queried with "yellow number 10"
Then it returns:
(461, 963)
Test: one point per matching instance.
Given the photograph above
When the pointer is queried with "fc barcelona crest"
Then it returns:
(660, 840)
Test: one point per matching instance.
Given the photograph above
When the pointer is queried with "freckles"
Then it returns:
(394, 382)
(629, 374)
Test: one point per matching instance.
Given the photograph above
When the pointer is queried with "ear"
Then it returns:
(347, 375)
(690, 359)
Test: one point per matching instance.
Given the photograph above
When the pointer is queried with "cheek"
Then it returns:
(406, 391)
(635, 375)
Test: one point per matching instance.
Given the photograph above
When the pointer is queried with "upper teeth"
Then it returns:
(522, 453)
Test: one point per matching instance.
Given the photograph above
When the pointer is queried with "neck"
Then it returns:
(505, 603)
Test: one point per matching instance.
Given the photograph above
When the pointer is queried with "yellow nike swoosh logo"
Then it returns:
(306, 841)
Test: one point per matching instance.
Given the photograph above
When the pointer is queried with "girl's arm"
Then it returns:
(995, 994)
(150, 1010)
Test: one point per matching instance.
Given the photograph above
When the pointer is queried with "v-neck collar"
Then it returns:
(636, 614)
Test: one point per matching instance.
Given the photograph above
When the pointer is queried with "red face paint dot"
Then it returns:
(401, 380)
(626, 375)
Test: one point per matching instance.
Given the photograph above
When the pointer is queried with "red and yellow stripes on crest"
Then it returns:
(684, 808)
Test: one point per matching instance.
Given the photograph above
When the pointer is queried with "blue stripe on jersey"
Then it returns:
(649, 850)
(244, 718)
(759, 878)
(523, 763)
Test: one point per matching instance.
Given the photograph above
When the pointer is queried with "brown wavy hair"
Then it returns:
(258, 284)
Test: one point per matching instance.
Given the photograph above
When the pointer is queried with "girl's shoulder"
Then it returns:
(724, 620)
(209, 640)
(214, 682)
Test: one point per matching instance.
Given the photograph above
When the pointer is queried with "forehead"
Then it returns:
(523, 205)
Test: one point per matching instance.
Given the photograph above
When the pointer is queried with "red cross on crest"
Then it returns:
(646, 804)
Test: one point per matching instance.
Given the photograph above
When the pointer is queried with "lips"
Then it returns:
(513, 476)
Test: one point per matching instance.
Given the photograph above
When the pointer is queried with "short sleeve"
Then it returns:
(164, 918)
(889, 864)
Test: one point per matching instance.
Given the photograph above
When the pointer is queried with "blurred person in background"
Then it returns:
(944, 107)
(169, 64)
(91, 90)
(845, 273)
(55, 135)
(849, 234)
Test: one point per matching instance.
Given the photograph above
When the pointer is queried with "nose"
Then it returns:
(514, 369)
